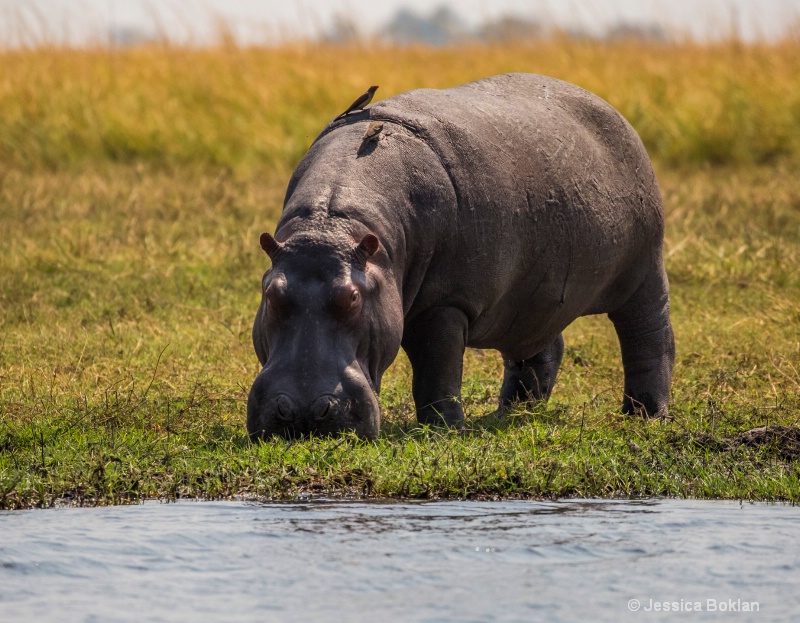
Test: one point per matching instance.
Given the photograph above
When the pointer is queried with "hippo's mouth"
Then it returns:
(368, 377)
(277, 405)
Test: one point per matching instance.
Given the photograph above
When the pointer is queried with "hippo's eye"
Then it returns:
(347, 299)
(275, 298)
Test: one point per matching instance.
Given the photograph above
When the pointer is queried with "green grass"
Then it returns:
(130, 273)
(127, 297)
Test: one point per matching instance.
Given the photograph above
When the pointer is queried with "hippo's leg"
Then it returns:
(434, 342)
(531, 380)
(648, 347)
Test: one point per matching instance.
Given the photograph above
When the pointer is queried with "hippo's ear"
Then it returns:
(366, 248)
(270, 245)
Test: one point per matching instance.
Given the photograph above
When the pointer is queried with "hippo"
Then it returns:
(489, 215)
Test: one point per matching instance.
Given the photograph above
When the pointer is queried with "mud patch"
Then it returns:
(783, 440)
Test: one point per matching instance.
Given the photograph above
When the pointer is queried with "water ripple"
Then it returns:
(437, 561)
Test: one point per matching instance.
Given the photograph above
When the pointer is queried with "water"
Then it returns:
(438, 561)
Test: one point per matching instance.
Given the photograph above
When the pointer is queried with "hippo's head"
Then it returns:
(329, 324)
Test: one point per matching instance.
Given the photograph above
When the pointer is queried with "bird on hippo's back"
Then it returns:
(363, 100)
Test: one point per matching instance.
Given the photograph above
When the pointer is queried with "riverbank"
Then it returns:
(129, 280)
(126, 359)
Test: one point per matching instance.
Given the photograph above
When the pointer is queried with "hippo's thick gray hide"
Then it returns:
(505, 209)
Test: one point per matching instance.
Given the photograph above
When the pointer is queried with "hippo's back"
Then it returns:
(514, 129)
(557, 212)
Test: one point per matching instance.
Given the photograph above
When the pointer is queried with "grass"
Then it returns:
(253, 108)
(133, 187)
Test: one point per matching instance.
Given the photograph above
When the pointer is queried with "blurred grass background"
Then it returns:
(244, 108)
(133, 187)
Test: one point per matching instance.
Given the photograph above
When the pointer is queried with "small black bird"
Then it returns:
(362, 101)
(371, 135)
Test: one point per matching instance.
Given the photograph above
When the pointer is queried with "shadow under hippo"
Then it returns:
(488, 215)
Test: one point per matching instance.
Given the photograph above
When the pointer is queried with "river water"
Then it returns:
(389, 561)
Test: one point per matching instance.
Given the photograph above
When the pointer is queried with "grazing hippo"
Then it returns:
(488, 215)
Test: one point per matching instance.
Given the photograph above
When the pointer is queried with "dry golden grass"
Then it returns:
(248, 108)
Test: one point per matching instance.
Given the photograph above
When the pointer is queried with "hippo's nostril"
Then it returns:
(323, 407)
(284, 408)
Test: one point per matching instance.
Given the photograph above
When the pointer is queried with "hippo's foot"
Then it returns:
(447, 412)
(434, 342)
(531, 380)
(648, 349)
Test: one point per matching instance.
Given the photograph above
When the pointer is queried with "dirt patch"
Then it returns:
(784, 440)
